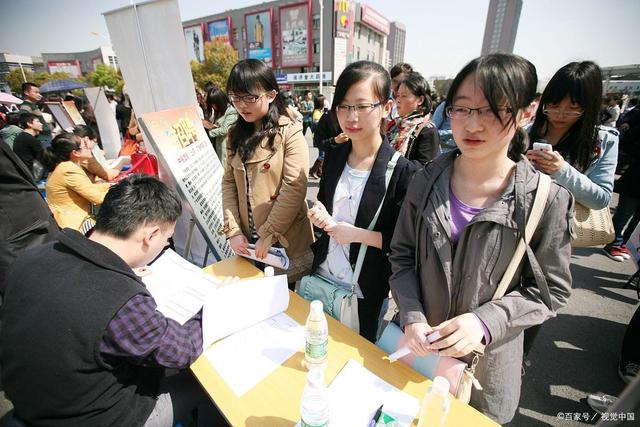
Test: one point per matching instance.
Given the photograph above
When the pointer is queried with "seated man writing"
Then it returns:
(82, 342)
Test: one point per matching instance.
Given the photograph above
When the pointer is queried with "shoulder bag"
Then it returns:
(459, 373)
(593, 227)
(339, 302)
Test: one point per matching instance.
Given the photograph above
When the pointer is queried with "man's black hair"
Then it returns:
(26, 86)
(136, 201)
(26, 118)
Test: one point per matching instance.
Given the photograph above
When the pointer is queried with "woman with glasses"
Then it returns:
(71, 190)
(412, 133)
(584, 155)
(265, 183)
(352, 188)
(458, 229)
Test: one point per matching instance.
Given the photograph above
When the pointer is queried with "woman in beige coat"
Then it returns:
(70, 188)
(265, 183)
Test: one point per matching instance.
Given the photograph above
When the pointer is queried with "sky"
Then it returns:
(442, 35)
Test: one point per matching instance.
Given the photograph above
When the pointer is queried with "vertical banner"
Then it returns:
(220, 31)
(107, 124)
(295, 35)
(259, 27)
(194, 39)
(184, 149)
(142, 35)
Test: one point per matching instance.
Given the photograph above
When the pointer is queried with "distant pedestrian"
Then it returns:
(306, 108)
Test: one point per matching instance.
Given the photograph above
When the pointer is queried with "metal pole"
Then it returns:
(22, 69)
(321, 43)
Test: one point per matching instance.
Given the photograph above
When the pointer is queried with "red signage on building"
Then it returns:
(375, 19)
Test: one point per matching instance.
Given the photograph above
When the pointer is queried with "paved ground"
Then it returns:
(577, 352)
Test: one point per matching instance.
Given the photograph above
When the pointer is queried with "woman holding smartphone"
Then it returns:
(584, 155)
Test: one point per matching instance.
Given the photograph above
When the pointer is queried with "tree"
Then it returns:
(219, 58)
(442, 86)
(104, 75)
(14, 79)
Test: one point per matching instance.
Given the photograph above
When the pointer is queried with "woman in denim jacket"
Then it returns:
(584, 155)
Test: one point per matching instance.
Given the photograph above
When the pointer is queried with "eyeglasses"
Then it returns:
(558, 113)
(359, 108)
(455, 112)
(247, 99)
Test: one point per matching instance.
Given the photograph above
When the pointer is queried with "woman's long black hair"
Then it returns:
(582, 83)
(217, 103)
(60, 150)
(418, 86)
(252, 76)
(503, 78)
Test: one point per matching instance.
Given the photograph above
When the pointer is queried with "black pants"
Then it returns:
(631, 342)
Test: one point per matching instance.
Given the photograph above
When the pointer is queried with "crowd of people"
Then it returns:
(423, 202)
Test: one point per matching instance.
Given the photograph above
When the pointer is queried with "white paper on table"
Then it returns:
(356, 393)
(247, 357)
(276, 257)
(179, 287)
(234, 307)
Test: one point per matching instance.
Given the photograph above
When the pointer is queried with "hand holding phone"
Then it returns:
(542, 146)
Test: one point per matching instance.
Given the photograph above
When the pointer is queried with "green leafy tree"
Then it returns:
(104, 75)
(442, 86)
(219, 58)
(14, 79)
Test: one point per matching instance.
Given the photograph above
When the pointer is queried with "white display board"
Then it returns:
(184, 149)
(107, 124)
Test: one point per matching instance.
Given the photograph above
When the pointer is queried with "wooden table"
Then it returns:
(276, 400)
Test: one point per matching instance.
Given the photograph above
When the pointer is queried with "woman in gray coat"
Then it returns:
(458, 228)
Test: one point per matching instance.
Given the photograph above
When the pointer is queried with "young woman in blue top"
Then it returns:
(584, 155)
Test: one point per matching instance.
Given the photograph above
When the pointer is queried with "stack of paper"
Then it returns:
(179, 287)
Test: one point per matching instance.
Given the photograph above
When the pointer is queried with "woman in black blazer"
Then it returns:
(352, 188)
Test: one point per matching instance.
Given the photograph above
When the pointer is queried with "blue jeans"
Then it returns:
(628, 211)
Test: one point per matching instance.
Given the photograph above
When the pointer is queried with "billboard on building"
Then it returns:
(295, 35)
(375, 19)
(194, 38)
(70, 67)
(220, 31)
(259, 30)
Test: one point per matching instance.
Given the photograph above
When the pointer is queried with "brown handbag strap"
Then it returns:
(544, 184)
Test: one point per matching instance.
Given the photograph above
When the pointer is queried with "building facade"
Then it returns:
(287, 35)
(8, 62)
(501, 27)
(78, 63)
(396, 42)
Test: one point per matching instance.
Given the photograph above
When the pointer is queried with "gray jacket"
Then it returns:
(432, 281)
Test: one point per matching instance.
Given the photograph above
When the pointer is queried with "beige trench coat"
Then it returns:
(278, 182)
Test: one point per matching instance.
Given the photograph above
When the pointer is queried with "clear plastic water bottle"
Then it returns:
(315, 353)
(435, 405)
(314, 409)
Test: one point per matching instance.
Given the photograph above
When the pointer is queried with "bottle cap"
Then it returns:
(316, 306)
(440, 386)
(269, 271)
(315, 377)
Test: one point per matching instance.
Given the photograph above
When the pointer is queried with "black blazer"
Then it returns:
(376, 270)
(25, 218)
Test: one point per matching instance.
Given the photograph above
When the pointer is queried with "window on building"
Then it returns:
(368, 35)
(316, 21)
(358, 53)
(316, 46)
(235, 34)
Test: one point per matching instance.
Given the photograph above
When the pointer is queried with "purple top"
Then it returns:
(140, 332)
(461, 215)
